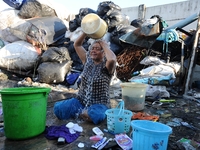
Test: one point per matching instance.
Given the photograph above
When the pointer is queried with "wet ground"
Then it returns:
(182, 115)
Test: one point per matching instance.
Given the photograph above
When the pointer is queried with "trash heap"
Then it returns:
(37, 35)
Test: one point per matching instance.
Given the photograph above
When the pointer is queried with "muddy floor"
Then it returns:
(183, 116)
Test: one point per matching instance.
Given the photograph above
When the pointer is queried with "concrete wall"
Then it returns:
(171, 13)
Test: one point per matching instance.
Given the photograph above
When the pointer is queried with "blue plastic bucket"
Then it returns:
(149, 135)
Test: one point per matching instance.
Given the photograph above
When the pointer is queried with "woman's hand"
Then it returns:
(104, 44)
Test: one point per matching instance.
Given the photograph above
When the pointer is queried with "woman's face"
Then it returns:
(96, 52)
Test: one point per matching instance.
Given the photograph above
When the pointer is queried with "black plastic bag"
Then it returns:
(115, 18)
(119, 31)
(55, 54)
(76, 22)
(53, 72)
(144, 36)
(77, 63)
(32, 8)
(105, 7)
(73, 25)
(137, 22)
(46, 30)
(83, 12)
(116, 48)
(15, 3)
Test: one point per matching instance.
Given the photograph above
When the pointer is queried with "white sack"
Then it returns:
(73, 35)
(152, 60)
(154, 91)
(18, 55)
(21, 29)
(163, 69)
(8, 17)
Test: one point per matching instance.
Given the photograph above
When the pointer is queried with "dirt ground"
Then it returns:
(182, 116)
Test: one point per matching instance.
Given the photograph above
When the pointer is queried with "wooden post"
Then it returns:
(192, 60)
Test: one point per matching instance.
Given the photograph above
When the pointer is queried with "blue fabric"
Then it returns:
(97, 113)
(154, 80)
(67, 108)
(72, 77)
(168, 36)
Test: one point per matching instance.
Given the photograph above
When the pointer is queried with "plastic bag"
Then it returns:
(77, 63)
(151, 27)
(73, 25)
(83, 12)
(33, 8)
(18, 55)
(39, 32)
(124, 141)
(115, 18)
(146, 35)
(15, 3)
(53, 72)
(60, 10)
(46, 31)
(106, 6)
(186, 144)
(72, 77)
(137, 22)
(8, 17)
(55, 54)
(1, 43)
(119, 31)
(73, 35)
(21, 29)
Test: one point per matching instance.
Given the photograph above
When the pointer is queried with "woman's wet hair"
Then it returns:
(95, 41)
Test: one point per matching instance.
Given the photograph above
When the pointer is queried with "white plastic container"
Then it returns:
(94, 26)
(133, 95)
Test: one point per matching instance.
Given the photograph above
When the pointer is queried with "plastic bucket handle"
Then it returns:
(121, 107)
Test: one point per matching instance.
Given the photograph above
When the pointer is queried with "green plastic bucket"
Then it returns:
(24, 111)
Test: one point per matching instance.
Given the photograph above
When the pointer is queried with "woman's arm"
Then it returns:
(110, 56)
(80, 50)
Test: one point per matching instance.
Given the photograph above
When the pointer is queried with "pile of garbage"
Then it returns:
(38, 35)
